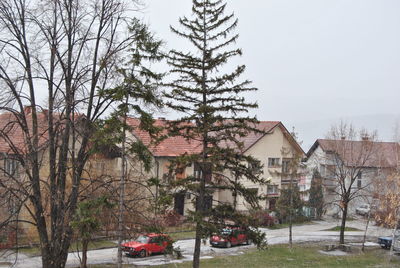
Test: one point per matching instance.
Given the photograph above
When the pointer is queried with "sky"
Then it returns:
(312, 60)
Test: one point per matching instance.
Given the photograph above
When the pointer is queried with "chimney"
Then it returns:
(161, 118)
(343, 138)
(365, 138)
(27, 109)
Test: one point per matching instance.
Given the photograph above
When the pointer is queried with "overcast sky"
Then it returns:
(311, 59)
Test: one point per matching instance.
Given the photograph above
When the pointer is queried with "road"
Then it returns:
(303, 233)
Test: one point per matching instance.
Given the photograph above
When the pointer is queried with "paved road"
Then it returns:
(303, 233)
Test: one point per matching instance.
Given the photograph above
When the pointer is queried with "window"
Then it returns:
(199, 168)
(253, 191)
(272, 189)
(255, 167)
(180, 172)
(207, 203)
(10, 167)
(359, 180)
(327, 171)
(285, 166)
(273, 162)
(272, 204)
(322, 170)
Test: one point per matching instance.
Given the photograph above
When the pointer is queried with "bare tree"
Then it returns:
(349, 156)
(387, 193)
(56, 60)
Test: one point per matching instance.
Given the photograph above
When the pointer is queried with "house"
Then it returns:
(274, 148)
(366, 161)
(16, 210)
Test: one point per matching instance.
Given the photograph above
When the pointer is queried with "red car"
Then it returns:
(230, 237)
(145, 245)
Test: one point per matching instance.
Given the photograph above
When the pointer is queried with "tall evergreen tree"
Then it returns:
(316, 199)
(137, 94)
(214, 115)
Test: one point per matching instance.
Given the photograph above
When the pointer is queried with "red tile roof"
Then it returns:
(363, 153)
(12, 136)
(178, 145)
(171, 146)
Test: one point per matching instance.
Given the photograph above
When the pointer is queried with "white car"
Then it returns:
(363, 210)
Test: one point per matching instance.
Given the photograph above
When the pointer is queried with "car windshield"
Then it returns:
(226, 231)
(142, 239)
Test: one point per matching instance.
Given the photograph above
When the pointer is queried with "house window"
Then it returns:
(10, 167)
(180, 172)
(322, 170)
(200, 168)
(285, 166)
(253, 191)
(327, 171)
(255, 167)
(272, 189)
(359, 180)
(273, 162)
(272, 204)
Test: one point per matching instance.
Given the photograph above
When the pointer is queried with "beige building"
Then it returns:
(275, 149)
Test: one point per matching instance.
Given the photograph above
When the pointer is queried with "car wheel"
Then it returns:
(228, 244)
(248, 242)
(142, 253)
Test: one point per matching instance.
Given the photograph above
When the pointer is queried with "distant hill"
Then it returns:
(309, 131)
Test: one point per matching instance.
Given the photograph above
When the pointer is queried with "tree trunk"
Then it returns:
(343, 225)
(366, 229)
(200, 210)
(197, 245)
(85, 243)
(290, 212)
(200, 201)
(235, 193)
(122, 193)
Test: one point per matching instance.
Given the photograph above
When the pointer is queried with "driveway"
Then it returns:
(304, 233)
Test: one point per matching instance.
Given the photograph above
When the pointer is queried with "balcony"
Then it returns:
(329, 183)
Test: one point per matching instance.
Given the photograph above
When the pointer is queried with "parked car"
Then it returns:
(386, 241)
(147, 244)
(230, 236)
(363, 210)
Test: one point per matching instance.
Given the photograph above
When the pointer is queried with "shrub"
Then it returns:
(263, 218)
(172, 218)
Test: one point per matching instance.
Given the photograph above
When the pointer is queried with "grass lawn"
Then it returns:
(346, 229)
(300, 256)
(182, 235)
(286, 225)
(35, 251)
(282, 257)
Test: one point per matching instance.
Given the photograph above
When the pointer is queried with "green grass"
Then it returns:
(35, 251)
(30, 251)
(286, 225)
(346, 229)
(182, 235)
(300, 256)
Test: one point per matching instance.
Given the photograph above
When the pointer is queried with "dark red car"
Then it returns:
(145, 245)
(230, 236)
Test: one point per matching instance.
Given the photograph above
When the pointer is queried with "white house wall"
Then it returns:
(269, 146)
